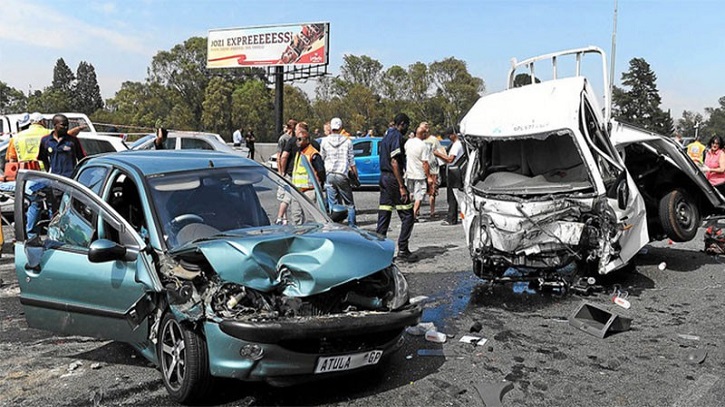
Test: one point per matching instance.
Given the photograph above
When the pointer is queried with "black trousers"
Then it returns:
(452, 216)
(390, 199)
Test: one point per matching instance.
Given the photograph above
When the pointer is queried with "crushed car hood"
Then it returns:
(301, 261)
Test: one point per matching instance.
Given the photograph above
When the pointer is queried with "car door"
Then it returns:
(622, 195)
(60, 288)
(367, 161)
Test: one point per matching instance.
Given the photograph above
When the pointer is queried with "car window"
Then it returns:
(67, 218)
(93, 147)
(92, 177)
(195, 144)
(362, 149)
(202, 203)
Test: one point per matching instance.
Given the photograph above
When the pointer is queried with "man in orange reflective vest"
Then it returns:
(300, 177)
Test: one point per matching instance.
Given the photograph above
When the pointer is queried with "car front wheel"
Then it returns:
(183, 360)
(679, 215)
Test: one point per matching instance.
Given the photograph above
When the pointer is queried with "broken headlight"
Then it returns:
(400, 291)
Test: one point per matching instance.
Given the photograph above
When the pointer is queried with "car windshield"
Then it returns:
(205, 203)
(535, 164)
(138, 143)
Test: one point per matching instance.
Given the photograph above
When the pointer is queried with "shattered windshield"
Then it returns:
(531, 165)
(198, 204)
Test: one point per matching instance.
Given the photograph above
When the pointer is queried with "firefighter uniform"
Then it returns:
(391, 148)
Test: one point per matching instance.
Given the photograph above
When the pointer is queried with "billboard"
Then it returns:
(293, 44)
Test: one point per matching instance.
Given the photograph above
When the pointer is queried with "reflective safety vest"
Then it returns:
(27, 142)
(696, 151)
(300, 176)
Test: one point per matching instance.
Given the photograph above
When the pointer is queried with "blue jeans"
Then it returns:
(339, 191)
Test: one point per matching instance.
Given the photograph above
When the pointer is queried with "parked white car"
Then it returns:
(190, 141)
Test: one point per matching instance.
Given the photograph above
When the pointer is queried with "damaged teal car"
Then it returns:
(178, 254)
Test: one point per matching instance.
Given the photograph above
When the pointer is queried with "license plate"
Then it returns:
(347, 362)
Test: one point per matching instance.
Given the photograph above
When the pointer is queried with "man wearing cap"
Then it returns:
(23, 148)
(393, 192)
(337, 152)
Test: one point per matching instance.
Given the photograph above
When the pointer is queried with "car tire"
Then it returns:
(679, 215)
(184, 361)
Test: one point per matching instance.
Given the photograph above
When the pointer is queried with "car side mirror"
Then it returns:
(103, 250)
(338, 213)
(622, 194)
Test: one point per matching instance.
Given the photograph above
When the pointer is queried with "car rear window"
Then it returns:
(93, 147)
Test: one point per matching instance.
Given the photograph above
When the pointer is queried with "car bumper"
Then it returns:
(291, 350)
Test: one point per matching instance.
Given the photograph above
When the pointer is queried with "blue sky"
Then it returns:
(682, 40)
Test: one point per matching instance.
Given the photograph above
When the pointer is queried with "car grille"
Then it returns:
(331, 345)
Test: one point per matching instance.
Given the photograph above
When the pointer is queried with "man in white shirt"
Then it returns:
(237, 137)
(417, 168)
(455, 153)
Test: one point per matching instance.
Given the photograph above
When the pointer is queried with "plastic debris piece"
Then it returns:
(420, 329)
(598, 321)
(476, 327)
(621, 302)
(435, 336)
(475, 340)
(689, 337)
(431, 352)
(662, 266)
(696, 356)
(75, 365)
(418, 299)
(492, 393)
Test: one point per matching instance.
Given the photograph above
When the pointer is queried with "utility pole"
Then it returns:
(614, 52)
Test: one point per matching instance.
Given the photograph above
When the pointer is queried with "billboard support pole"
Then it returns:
(278, 97)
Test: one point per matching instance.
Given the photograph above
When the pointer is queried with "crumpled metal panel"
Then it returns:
(516, 227)
(301, 261)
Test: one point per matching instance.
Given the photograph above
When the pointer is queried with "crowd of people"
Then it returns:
(410, 169)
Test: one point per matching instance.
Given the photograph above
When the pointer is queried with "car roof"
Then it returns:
(149, 162)
(546, 106)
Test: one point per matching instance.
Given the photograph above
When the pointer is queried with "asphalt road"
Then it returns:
(675, 312)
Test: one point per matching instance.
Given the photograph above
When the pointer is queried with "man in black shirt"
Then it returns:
(393, 193)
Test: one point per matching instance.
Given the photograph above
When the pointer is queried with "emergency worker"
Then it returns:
(300, 177)
(393, 192)
(23, 148)
(696, 151)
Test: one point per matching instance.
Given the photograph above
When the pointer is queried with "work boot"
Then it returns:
(406, 256)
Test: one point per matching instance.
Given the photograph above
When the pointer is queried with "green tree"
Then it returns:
(87, 94)
(716, 119)
(361, 70)
(216, 115)
(252, 107)
(640, 103)
(11, 99)
(183, 70)
(457, 87)
(50, 100)
(687, 123)
(63, 78)
(297, 105)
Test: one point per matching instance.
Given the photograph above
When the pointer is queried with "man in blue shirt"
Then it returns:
(59, 151)
(393, 193)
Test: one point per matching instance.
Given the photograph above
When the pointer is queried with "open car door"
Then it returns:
(84, 270)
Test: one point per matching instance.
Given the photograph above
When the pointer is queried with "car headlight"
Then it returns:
(400, 292)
